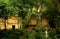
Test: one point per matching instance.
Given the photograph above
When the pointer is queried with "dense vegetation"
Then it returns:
(25, 34)
(24, 7)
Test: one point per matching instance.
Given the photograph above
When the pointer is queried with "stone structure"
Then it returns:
(2, 23)
(12, 22)
(36, 20)
(45, 22)
(33, 20)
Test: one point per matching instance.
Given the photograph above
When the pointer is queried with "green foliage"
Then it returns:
(37, 33)
(11, 34)
(24, 7)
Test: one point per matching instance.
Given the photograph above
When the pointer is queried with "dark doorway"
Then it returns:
(13, 26)
(59, 1)
(52, 24)
(0, 27)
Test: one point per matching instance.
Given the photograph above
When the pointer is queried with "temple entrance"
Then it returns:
(13, 26)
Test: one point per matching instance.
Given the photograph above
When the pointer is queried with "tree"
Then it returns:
(6, 11)
(3, 14)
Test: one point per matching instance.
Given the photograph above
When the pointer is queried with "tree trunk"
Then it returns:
(5, 23)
